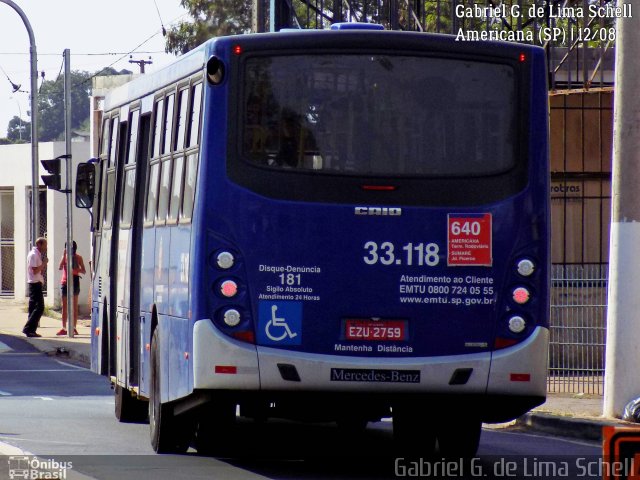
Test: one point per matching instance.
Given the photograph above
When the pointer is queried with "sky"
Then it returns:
(99, 33)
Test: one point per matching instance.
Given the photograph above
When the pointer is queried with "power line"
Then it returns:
(164, 30)
(100, 54)
(16, 88)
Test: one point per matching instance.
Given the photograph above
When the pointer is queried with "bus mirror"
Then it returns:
(215, 71)
(85, 185)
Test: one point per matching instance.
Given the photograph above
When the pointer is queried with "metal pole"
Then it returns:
(257, 17)
(67, 135)
(35, 168)
(621, 381)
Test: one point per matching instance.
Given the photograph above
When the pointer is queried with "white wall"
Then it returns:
(15, 172)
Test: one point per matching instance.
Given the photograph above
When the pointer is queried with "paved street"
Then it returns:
(54, 409)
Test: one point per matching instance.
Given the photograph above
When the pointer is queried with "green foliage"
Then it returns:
(209, 19)
(51, 105)
(18, 130)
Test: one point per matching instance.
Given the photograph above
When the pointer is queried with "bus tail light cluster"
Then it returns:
(521, 299)
(231, 315)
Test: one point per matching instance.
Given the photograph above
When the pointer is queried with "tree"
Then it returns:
(51, 105)
(209, 19)
(18, 130)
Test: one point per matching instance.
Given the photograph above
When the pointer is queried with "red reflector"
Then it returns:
(229, 369)
(245, 336)
(379, 188)
(237, 49)
(147, 347)
(504, 342)
(97, 332)
(523, 57)
(186, 355)
(520, 377)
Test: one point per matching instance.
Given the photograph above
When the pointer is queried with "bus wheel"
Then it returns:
(216, 426)
(168, 433)
(459, 438)
(413, 432)
(128, 408)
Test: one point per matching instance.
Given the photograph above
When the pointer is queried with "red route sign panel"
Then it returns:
(469, 240)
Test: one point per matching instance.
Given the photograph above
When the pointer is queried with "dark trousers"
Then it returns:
(36, 307)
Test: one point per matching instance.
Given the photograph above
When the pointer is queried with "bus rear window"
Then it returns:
(379, 115)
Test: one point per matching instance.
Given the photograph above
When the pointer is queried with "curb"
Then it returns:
(581, 428)
(56, 348)
(69, 354)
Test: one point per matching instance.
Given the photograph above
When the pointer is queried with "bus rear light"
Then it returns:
(525, 267)
(379, 188)
(502, 342)
(231, 318)
(522, 58)
(225, 260)
(245, 336)
(226, 369)
(521, 295)
(229, 288)
(517, 324)
(237, 49)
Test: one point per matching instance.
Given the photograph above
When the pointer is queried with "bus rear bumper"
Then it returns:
(502, 385)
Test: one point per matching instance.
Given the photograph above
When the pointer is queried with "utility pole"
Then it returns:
(35, 167)
(622, 383)
(141, 63)
(67, 136)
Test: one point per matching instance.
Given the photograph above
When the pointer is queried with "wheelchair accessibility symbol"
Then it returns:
(280, 323)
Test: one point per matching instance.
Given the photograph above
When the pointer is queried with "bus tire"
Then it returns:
(459, 438)
(216, 425)
(352, 425)
(168, 434)
(128, 408)
(413, 432)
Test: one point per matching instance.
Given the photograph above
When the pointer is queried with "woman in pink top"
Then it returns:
(78, 269)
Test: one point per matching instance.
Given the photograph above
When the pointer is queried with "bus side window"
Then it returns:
(133, 137)
(194, 114)
(113, 144)
(126, 211)
(152, 197)
(181, 121)
(110, 182)
(176, 189)
(106, 131)
(168, 124)
(188, 197)
(157, 129)
(163, 194)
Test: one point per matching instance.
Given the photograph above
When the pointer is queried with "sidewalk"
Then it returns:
(578, 416)
(13, 316)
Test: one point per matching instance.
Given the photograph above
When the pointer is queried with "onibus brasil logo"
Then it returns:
(34, 468)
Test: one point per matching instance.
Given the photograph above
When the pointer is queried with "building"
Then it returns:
(15, 224)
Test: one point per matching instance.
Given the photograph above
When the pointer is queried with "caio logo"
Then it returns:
(621, 453)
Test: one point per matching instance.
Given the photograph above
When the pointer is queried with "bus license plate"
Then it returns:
(375, 330)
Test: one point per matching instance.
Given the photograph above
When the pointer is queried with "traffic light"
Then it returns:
(53, 167)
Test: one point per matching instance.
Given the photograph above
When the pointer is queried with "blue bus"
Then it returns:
(340, 225)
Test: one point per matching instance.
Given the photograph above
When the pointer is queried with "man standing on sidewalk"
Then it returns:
(36, 265)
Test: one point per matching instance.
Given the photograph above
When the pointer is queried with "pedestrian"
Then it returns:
(36, 266)
(77, 265)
